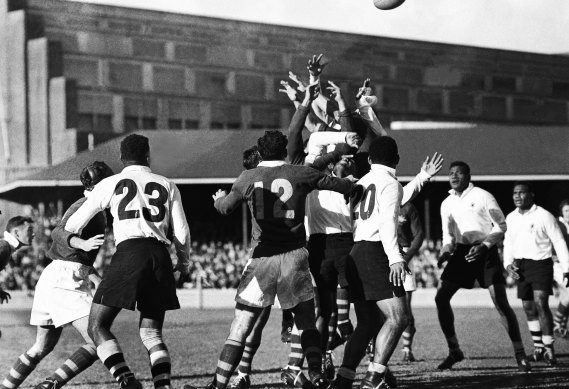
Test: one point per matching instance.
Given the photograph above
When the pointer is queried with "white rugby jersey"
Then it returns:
(328, 213)
(533, 235)
(473, 217)
(376, 214)
(143, 205)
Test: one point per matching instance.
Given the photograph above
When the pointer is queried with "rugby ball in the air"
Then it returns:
(387, 4)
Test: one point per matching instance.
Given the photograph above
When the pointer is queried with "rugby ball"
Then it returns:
(387, 4)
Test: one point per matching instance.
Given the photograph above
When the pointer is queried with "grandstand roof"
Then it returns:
(215, 156)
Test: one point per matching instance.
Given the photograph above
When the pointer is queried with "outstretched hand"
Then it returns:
(301, 86)
(93, 242)
(289, 90)
(312, 91)
(314, 67)
(365, 90)
(433, 165)
(335, 92)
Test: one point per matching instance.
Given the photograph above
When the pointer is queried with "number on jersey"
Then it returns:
(150, 189)
(364, 207)
(280, 210)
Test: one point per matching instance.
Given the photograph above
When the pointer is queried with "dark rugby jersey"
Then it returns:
(276, 194)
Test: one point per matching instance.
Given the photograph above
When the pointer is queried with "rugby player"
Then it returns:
(530, 238)
(63, 294)
(375, 269)
(562, 312)
(147, 217)
(473, 224)
(276, 193)
(18, 233)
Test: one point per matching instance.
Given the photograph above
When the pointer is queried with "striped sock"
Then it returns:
(310, 340)
(560, 316)
(80, 360)
(548, 343)
(343, 305)
(408, 339)
(228, 360)
(296, 356)
(536, 334)
(247, 358)
(113, 358)
(160, 364)
(22, 368)
(332, 324)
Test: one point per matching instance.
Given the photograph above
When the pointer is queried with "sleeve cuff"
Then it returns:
(423, 175)
(69, 239)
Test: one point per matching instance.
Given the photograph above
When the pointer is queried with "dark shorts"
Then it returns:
(140, 275)
(487, 271)
(327, 255)
(534, 275)
(367, 272)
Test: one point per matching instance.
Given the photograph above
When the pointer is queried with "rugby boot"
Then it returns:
(48, 383)
(453, 357)
(295, 378)
(375, 380)
(130, 383)
(537, 354)
(328, 367)
(342, 334)
(318, 380)
(523, 363)
(408, 355)
(559, 330)
(549, 357)
(241, 381)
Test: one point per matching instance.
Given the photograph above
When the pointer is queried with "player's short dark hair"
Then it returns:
(461, 164)
(251, 157)
(135, 148)
(383, 150)
(272, 145)
(17, 221)
(527, 184)
(563, 203)
(94, 173)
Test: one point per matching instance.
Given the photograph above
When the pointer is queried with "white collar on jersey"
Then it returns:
(377, 166)
(136, 168)
(464, 192)
(271, 163)
(11, 239)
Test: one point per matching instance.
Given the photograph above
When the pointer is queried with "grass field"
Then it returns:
(195, 339)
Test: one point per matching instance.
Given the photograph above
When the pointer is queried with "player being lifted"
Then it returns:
(275, 192)
(147, 217)
(63, 295)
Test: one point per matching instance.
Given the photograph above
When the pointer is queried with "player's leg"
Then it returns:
(150, 331)
(367, 325)
(395, 320)
(286, 326)
(108, 349)
(291, 374)
(541, 301)
(243, 322)
(345, 327)
(305, 321)
(534, 328)
(79, 361)
(562, 312)
(510, 323)
(409, 332)
(252, 343)
(446, 320)
(46, 339)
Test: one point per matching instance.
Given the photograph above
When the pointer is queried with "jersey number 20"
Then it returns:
(158, 202)
(367, 199)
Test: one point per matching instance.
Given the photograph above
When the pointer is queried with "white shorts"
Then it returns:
(62, 294)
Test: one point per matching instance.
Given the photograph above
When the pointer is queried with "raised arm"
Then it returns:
(180, 232)
(429, 168)
(295, 147)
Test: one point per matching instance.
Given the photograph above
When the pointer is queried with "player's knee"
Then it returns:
(40, 350)
(150, 337)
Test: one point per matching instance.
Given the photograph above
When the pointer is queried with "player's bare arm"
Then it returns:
(433, 165)
(92, 243)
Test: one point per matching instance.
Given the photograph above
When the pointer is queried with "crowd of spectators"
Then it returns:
(215, 264)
